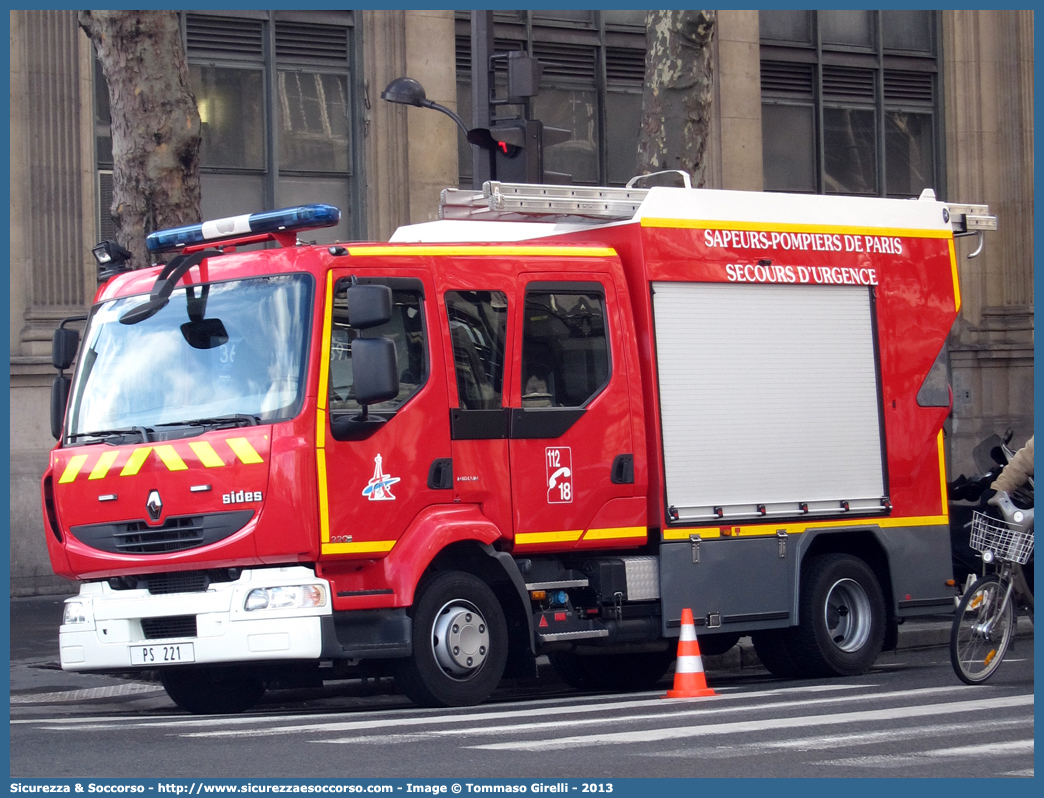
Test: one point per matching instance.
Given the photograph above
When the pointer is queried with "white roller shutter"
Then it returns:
(769, 400)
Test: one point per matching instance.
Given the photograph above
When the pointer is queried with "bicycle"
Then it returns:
(986, 615)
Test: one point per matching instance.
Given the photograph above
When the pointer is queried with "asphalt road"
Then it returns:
(909, 717)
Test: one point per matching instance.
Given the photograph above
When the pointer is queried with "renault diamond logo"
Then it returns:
(154, 505)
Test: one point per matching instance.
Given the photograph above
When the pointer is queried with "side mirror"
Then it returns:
(369, 306)
(63, 347)
(375, 369)
(59, 399)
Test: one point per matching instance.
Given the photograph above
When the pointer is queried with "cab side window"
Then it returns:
(565, 355)
(406, 329)
(478, 327)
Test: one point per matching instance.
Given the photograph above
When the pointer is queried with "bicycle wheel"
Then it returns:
(981, 631)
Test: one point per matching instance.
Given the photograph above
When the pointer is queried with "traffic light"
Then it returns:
(518, 148)
(518, 156)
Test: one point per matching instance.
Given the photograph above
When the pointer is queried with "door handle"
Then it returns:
(623, 470)
(440, 475)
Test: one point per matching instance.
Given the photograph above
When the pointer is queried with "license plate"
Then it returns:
(170, 654)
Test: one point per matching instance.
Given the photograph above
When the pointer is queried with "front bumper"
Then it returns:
(111, 634)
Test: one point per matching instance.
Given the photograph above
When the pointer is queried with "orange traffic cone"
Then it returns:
(689, 679)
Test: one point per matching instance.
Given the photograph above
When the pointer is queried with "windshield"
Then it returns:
(234, 349)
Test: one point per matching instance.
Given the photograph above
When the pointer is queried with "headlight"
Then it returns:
(75, 612)
(291, 597)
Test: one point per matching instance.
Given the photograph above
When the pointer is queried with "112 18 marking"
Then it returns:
(559, 461)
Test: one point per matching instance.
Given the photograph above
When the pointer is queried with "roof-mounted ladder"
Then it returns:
(967, 220)
(521, 201)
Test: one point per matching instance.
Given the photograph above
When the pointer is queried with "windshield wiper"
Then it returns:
(231, 420)
(112, 433)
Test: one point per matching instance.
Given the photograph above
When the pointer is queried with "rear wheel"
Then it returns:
(842, 618)
(616, 672)
(460, 643)
(718, 643)
(981, 631)
(570, 670)
(213, 691)
(771, 648)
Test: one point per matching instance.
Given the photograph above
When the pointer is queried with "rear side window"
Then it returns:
(406, 329)
(565, 356)
(478, 327)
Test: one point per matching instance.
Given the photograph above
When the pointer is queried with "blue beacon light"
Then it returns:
(302, 217)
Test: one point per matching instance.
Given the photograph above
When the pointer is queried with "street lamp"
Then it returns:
(407, 91)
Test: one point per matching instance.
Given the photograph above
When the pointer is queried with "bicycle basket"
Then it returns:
(1006, 541)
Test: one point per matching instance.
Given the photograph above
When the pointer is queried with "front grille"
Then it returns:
(172, 626)
(175, 534)
(180, 582)
(176, 582)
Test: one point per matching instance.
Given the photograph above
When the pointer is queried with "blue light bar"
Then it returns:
(303, 217)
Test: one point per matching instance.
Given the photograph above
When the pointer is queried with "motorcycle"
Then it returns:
(967, 495)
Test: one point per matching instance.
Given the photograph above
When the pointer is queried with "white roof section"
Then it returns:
(769, 208)
(461, 231)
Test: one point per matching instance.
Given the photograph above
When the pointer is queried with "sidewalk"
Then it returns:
(35, 665)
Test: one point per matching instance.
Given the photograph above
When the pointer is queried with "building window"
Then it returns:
(274, 94)
(850, 102)
(593, 73)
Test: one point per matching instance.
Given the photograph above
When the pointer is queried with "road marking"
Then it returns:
(1011, 748)
(890, 714)
(88, 693)
(826, 741)
(392, 717)
(457, 719)
(703, 711)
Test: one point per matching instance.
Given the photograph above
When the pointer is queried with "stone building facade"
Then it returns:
(953, 88)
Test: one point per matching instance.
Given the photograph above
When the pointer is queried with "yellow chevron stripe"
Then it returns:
(135, 462)
(244, 451)
(73, 468)
(523, 538)
(206, 454)
(618, 532)
(171, 459)
(956, 283)
(363, 547)
(101, 468)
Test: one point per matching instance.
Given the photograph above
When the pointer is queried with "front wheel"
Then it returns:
(460, 643)
(981, 631)
(841, 625)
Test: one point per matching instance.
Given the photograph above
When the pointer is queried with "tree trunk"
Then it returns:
(676, 103)
(155, 124)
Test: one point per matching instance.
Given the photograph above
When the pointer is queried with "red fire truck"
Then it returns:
(542, 425)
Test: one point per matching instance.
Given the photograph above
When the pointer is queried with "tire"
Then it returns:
(460, 643)
(976, 655)
(771, 648)
(213, 691)
(842, 617)
(714, 645)
(626, 673)
(570, 670)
